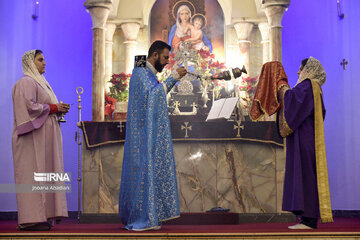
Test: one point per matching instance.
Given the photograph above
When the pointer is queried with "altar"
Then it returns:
(235, 164)
(238, 169)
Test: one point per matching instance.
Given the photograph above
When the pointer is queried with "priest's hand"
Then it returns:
(181, 71)
(63, 107)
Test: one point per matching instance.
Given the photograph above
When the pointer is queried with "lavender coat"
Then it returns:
(37, 147)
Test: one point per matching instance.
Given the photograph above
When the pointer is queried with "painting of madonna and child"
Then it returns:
(200, 22)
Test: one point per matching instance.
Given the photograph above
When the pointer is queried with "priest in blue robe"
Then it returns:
(301, 116)
(148, 189)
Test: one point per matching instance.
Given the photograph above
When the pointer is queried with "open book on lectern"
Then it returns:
(222, 108)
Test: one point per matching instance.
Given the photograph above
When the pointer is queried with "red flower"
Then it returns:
(214, 64)
(119, 88)
(204, 53)
(109, 99)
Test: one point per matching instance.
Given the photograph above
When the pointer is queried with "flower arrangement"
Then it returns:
(109, 106)
(119, 88)
(118, 92)
(206, 66)
(248, 86)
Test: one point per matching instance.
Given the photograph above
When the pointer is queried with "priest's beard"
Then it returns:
(158, 66)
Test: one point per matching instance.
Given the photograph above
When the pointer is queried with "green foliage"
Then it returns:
(120, 87)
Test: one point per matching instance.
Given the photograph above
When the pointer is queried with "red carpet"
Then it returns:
(344, 225)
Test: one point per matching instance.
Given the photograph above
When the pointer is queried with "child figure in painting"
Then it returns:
(196, 33)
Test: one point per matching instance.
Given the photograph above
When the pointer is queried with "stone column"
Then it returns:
(131, 31)
(110, 30)
(265, 31)
(99, 12)
(243, 31)
(274, 10)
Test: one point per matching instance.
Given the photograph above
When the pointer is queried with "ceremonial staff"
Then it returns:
(79, 91)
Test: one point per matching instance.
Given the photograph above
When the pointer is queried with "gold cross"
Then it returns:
(177, 104)
(238, 126)
(186, 127)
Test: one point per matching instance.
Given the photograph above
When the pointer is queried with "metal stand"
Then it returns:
(79, 91)
(341, 15)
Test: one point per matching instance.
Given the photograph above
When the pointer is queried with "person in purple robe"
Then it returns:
(300, 119)
(37, 144)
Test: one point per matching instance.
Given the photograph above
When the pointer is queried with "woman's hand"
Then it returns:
(63, 107)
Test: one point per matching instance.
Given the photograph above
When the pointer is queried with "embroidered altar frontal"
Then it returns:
(102, 133)
(243, 174)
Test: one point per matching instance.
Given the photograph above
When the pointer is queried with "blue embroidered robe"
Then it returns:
(148, 189)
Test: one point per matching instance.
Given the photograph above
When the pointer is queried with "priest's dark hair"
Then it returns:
(304, 62)
(37, 51)
(158, 46)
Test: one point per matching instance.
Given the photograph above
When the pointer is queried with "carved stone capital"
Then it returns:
(98, 3)
(243, 30)
(99, 11)
(99, 15)
(109, 33)
(265, 31)
(130, 31)
(274, 11)
(268, 3)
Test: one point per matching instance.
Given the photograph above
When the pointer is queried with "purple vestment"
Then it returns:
(300, 184)
(37, 147)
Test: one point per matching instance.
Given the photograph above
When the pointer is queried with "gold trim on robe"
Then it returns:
(284, 127)
(321, 163)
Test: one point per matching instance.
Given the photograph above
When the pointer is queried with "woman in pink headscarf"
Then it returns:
(37, 144)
